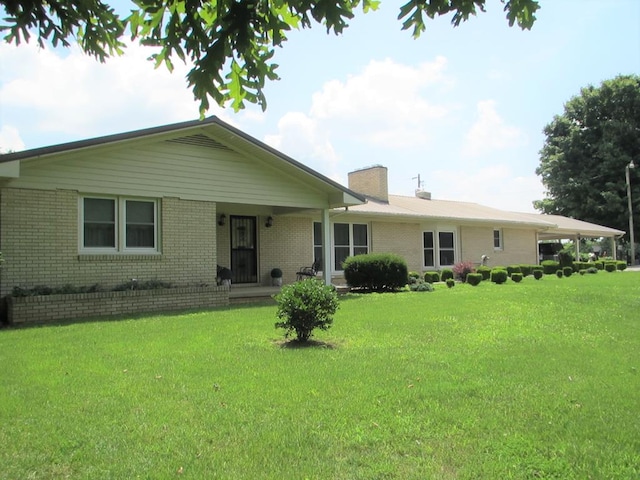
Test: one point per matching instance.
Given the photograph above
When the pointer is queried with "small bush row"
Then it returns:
(71, 289)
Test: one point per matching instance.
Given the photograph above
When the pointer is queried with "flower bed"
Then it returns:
(49, 308)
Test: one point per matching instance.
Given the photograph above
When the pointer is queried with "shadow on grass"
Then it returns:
(297, 344)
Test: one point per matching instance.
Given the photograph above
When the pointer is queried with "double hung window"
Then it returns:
(118, 225)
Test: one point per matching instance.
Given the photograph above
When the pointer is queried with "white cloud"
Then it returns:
(10, 140)
(384, 106)
(490, 132)
(71, 93)
(494, 185)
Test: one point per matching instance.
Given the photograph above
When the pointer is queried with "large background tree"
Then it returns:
(230, 43)
(583, 160)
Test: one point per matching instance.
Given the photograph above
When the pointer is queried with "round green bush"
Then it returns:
(451, 282)
(516, 277)
(304, 306)
(446, 274)
(621, 265)
(583, 271)
(511, 269)
(567, 271)
(592, 270)
(485, 272)
(499, 276)
(474, 279)
(431, 277)
(537, 274)
(610, 267)
(559, 273)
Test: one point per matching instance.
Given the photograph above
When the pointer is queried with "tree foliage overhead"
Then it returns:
(583, 160)
(229, 43)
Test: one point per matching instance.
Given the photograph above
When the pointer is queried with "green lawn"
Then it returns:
(531, 380)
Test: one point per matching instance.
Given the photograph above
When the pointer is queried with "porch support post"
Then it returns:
(578, 248)
(326, 247)
(615, 248)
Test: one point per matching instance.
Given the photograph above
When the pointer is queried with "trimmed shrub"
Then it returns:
(559, 273)
(599, 265)
(462, 269)
(565, 259)
(474, 279)
(446, 274)
(451, 282)
(379, 272)
(549, 267)
(511, 269)
(516, 277)
(421, 286)
(583, 271)
(431, 277)
(526, 270)
(610, 267)
(537, 274)
(499, 276)
(485, 272)
(304, 306)
(567, 271)
(577, 266)
(592, 270)
(621, 265)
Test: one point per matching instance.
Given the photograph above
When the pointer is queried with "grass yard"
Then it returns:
(522, 381)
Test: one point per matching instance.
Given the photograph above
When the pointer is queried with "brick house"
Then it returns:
(173, 203)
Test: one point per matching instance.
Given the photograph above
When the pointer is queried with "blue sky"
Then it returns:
(463, 107)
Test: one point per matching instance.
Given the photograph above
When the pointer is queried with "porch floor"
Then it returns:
(259, 293)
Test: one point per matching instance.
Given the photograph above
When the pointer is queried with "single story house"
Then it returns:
(176, 202)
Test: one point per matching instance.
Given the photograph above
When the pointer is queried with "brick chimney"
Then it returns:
(371, 182)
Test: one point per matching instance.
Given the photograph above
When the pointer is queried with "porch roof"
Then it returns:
(570, 227)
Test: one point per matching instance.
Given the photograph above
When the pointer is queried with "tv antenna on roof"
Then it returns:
(420, 182)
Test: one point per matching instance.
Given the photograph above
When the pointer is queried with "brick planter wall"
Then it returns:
(49, 308)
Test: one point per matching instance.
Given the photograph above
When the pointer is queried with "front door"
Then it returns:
(244, 256)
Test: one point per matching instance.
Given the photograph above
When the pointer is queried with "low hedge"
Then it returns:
(431, 277)
(516, 277)
(485, 272)
(499, 275)
(446, 274)
(511, 269)
(377, 272)
(475, 278)
(549, 267)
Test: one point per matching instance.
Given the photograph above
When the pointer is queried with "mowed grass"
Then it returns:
(531, 380)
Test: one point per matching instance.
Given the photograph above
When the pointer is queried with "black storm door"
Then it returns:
(244, 256)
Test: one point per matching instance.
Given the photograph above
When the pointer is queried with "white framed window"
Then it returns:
(497, 239)
(429, 248)
(349, 239)
(118, 225)
(446, 248)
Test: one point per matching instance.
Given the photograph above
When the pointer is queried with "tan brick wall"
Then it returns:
(404, 239)
(39, 240)
(519, 246)
(287, 245)
(49, 308)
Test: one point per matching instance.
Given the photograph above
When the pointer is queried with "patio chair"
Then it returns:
(308, 272)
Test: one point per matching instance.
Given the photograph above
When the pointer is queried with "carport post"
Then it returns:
(326, 247)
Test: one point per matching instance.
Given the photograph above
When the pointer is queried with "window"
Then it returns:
(497, 239)
(429, 249)
(119, 225)
(349, 239)
(446, 248)
(317, 242)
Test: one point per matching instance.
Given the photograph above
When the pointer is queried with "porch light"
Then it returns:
(269, 223)
(222, 220)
